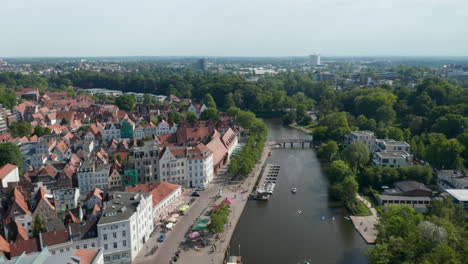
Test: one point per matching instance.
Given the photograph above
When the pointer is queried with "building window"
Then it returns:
(124, 243)
(124, 233)
(105, 246)
(114, 235)
(115, 244)
(107, 259)
(105, 236)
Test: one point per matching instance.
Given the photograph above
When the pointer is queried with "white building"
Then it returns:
(172, 165)
(8, 173)
(391, 145)
(452, 179)
(392, 158)
(111, 131)
(66, 199)
(38, 159)
(167, 197)
(164, 128)
(93, 175)
(459, 196)
(314, 59)
(125, 226)
(365, 136)
(199, 166)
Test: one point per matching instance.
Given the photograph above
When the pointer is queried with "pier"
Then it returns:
(292, 143)
(267, 183)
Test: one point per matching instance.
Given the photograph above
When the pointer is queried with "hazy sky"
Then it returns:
(233, 27)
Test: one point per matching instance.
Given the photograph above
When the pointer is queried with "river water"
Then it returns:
(273, 232)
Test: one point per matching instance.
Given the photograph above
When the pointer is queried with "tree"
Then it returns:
(10, 153)
(338, 171)
(289, 118)
(191, 117)
(245, 119)
(380, 254)
(148, 99)
(385, 114)
(41, 131)
(210, 114)
(395, 133)
(329, 150)
(301, 112)
(451, 125)
(332, 126)
(126, 102)
(229, 101)
(349, 188)
(233, 111)
(174, 117)
(21, 129)
(63, 122)
(444, 153)
(209, 101)
(8, 100)
(38, 226)
(356, 154)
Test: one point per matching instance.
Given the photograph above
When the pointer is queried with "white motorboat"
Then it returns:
(293, 190)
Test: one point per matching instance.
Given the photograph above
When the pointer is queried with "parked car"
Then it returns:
(199, 189)
(195, 194)
(208, 212)
(161, 238)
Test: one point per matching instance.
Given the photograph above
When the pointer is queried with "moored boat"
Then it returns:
(293, 190)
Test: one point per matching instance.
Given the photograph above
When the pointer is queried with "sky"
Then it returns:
(75, 28)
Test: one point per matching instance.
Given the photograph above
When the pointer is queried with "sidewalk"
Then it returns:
(239, 200)
(365, 225)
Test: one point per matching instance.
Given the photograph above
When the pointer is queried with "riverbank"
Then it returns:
(365, 225)
(307, 130)
(238, 202)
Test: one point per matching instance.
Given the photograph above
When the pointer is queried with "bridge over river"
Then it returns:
(293, 142)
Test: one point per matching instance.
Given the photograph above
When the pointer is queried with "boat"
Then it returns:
(333, 219)
(347, 218)
(323, 217)
(269, 153)
(299, 211)
(293, 190)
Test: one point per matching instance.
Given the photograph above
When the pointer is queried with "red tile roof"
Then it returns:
(28, 246)
(22, 233)
(48, 169)
(62, 146)
(20, 201)
(218, 148)
(159, 190)
(55, 237)
(86, 256)
(6, 169)
(96, 192)
(4, 245)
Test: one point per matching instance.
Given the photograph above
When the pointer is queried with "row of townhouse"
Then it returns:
(151, 130)
(385, 152)
(189, 166)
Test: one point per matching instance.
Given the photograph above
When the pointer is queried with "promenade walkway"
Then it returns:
(365, 225)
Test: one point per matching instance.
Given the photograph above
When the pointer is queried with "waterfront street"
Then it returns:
(233, 192)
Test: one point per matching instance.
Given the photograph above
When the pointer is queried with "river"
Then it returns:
(273, 232)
